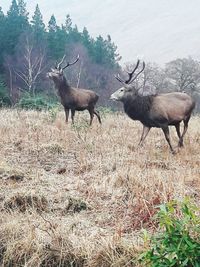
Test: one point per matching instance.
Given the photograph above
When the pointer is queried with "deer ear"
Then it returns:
(52, 69)
(61, 71)
(129, 88)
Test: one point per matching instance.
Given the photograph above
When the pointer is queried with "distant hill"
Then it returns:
(156, 30)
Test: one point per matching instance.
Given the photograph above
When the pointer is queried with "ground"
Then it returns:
(80, 195)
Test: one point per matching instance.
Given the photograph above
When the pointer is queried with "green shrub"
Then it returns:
(53, 111)
(37, 102)
(4, 96)
(178, 244)
(104, 111)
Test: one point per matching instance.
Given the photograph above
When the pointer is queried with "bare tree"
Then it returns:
(151, 81)
(11, 79)
(30, 63)
(154, 78)
(87, 74)
(183, 74)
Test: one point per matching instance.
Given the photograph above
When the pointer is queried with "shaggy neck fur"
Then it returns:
(62, 86)
(138, 108)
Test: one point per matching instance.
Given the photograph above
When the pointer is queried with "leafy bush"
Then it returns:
(53, 111)
(179, 243)
(4, 96)
(37, 102)
(104, 111)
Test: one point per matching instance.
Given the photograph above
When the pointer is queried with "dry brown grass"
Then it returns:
(79, 196)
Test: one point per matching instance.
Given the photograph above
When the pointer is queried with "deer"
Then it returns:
(73, 99)
(155, 110)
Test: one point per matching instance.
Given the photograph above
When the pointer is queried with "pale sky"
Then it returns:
(155, 30)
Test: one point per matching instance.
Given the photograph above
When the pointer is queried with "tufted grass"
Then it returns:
(80, 195)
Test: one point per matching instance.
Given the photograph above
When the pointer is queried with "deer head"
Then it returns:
(56, 74)
(128, 88)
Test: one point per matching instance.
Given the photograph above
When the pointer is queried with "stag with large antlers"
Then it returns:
(160, 110)
(71, 98)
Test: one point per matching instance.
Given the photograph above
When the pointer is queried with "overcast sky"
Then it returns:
(155, 30)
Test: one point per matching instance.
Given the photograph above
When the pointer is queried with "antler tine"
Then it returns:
(129, 73)
(138, 72)
(132, 72)
(72, 63)
(59, 64)
(119, 78)
(56, 64)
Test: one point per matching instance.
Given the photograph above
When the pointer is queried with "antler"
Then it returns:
(119, 79)
(143, 66)
(69, 64)
(59, 64)
(130, 74)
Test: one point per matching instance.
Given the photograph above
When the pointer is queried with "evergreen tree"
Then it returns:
(61, 42)
(1, 13)
(2, 19)
(53, 39)
(2, 36)
(67, 27)
(105, 52)
(13, 12)
(74, 35)
(16, 24)
(52, 26)
(38, 26)
(99, 50)
(18, 37)
(23, 15)
(4, 95)
(86, 39)
(112, 56)
(68, 24)
(22, 10)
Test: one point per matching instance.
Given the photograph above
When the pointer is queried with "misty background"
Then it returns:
(109, 36)
(156, 30)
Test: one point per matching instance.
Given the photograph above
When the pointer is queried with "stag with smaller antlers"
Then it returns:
(71, 98)
(159, 110)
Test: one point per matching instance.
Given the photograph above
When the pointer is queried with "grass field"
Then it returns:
(79, 196)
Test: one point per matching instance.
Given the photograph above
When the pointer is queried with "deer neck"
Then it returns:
(138, 108)
(63, 87)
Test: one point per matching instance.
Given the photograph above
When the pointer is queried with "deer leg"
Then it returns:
(166, 133)
(66, 114)
(91, 111)
(145, 132)
(184, 130)
(98, 116)
(72, 115)
(177, 126)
